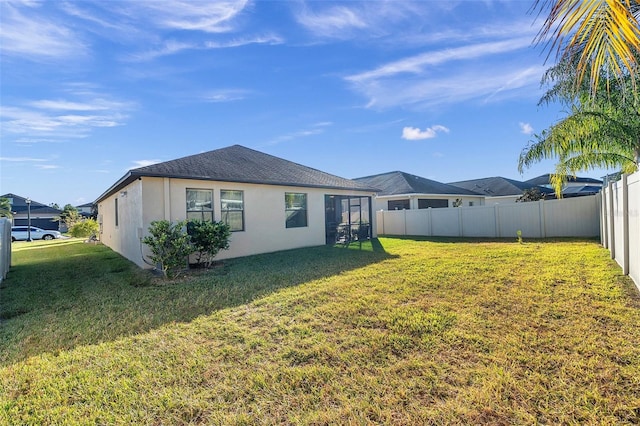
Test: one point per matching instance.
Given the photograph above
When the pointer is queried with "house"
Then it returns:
(400, 191)
(86, 210)
(574, 187)
(271, 204)
(40, 215)
(499, 189)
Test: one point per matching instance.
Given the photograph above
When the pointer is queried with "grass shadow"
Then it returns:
(61, 296)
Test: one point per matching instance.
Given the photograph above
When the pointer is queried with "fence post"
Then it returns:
(430, 222)
(460, 228)
(543, 220)
(404, 221)
(496, 212)
(625, 224)
(612, 222)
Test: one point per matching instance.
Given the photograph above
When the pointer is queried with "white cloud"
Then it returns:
(30, 36)
(417, 64)
(526, 128)
(415, 134)
(22, 159)
(332, 22)
(144, 163)
(367, 20)
(171, 47)
(315, 130)
(205, 16)
(225, 95)
(484, 85)
(58, 119)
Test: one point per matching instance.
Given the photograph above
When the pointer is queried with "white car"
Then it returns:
(22, 233)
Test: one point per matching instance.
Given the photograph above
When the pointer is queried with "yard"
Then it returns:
(394, 331)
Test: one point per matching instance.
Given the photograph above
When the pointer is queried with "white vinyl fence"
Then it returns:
(621, 223)
(569, 217)
(5, 247)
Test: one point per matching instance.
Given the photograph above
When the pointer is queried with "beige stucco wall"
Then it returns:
(381, 203)
(150, 199)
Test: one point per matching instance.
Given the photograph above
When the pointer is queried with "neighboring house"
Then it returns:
(271, 204)
(499, 189)
(574, 187)
(404, 191)
(42, 216)
(86, 210)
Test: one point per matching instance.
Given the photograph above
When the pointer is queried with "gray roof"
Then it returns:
(396, 183)
(572, 191)
(19, 205)
(239, 164)
(544, 180)
(498, 186)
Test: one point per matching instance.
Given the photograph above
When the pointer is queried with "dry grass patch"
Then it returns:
(423, 332)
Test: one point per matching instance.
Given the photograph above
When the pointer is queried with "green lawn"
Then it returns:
(397, 331)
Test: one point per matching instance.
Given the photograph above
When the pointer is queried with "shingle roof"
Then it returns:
(498, 186)
(396, 183)
(240, 164)
(19, 205)
(544, 180)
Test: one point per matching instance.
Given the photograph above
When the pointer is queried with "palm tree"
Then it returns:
(602, 129)
(5, 208)
(604, 35)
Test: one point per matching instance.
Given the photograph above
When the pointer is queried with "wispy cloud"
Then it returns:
(144, 163)
(315, 129)
(225, 95)
(172, 47)
(526, 128)
(23, 159)
(353, 19)
(482, 84)
(415, 134)
(332, 22)
(418, 63)
(33, 37)
(57, 119)
(210, 17)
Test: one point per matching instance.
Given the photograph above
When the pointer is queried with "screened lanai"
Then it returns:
(347, 218)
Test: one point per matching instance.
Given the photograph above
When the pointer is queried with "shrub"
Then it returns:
(170, 246)
(208, 238)
(85, 228)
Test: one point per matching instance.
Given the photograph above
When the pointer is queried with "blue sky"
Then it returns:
(447, 90)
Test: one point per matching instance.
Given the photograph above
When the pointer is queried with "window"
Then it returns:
(425, 203)
(232, 207)
(200, 204)
(398, 204)
(470, 203)
(295, 206)
(116, 212)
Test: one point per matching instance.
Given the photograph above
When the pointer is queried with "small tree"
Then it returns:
(85, 228)
(69, 216)
(170, 246)
(531, 194)
(208, 238)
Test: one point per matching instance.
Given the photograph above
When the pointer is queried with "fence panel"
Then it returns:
(417, 224)
(445, 222)
(571, 217)
(479, 221)
(579, 218)
(524, 217)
